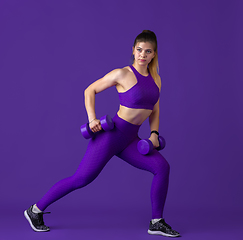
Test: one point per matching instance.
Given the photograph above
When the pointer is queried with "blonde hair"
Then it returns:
(149, 36)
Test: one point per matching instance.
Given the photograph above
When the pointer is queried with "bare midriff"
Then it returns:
(133, 115)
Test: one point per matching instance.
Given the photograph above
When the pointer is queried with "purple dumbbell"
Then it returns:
(106, 123)
(145, 146)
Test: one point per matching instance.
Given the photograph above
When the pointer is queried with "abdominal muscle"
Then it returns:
(134, 116)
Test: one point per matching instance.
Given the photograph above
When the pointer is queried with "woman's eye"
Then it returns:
(149, 51)
(139, 49)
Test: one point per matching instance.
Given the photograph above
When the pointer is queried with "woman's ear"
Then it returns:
(154, 55)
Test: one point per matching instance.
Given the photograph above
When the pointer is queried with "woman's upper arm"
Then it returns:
(158, 82)
(156, 106)
(109, 80)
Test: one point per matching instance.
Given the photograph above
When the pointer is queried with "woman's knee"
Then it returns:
(163, 166)
(80, 181)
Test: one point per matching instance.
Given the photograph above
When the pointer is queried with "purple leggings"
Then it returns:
(122, 142)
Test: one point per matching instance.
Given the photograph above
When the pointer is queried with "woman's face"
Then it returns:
(143, 53)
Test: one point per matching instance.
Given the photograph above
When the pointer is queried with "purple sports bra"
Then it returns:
(143, 95)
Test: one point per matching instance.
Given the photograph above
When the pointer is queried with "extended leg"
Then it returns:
(99, 152)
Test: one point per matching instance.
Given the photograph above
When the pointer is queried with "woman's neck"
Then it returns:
(141, 69)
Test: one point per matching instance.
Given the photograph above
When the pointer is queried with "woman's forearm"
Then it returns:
(154, 126)
(89, 96)
(154, 121)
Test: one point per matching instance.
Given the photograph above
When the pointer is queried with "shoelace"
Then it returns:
(40, 217)
(165, 224)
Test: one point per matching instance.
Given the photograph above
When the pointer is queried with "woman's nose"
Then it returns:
(143, 54)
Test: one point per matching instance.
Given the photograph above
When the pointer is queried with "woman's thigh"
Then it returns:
(153, 162)
(100, 150)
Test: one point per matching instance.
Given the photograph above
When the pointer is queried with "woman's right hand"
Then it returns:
(95, 125)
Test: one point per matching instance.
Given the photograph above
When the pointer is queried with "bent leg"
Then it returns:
(156, 164)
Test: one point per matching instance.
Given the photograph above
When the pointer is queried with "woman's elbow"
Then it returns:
(89, 91)
(155, 111)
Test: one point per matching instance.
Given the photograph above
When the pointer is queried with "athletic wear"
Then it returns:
(36, 220)
(162, 228)
(120, 141)
(143, 95)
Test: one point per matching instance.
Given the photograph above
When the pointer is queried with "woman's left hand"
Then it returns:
(154, 139)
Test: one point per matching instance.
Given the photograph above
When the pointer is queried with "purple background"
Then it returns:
(50, 51)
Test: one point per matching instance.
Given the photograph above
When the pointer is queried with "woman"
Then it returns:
(139, 89)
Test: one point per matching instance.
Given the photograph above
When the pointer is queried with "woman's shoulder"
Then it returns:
(121, 72)
(125, 70)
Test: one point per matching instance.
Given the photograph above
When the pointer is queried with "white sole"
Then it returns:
(161, 233)
(32, 226)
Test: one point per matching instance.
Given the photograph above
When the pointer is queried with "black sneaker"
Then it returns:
(162, 228)
(36, 220)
